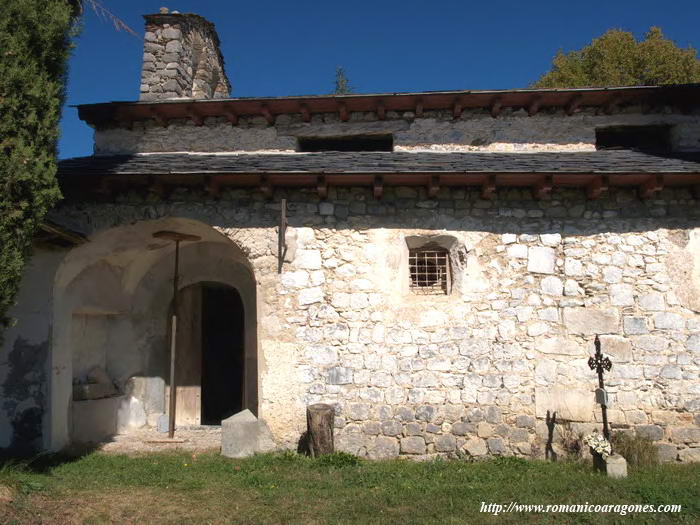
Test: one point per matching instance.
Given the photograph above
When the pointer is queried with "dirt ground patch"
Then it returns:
(123, 506)
(6, 495)
(200, 439)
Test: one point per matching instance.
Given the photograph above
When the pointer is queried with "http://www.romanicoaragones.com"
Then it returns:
(620, 509)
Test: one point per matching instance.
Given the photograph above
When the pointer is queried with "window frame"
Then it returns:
(440, 257)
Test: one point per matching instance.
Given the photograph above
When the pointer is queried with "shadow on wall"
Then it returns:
(24, 395)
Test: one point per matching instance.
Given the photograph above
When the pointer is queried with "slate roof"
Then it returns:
(598, 162)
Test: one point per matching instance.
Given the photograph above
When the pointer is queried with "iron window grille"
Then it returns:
(429, 271)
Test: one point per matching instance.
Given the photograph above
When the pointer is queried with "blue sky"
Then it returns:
(275, 48)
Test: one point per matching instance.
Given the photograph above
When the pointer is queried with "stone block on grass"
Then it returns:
(243, 435)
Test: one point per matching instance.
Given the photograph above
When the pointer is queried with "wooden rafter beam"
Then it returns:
(322, 186)
(496, 107)
(305, 113)
(457, 109)
(381, 110)
(66, 235)
(265, 111)
(194, 115)
(433, 186)
(343, 111)
(488, 187)
(156, 115)
(534, 106)
(654, 184)
(599, 185)
(213, 186)
(266, 187)
(573, 104)
(230, 114)
(419, 108)
(612, 105)
(378, 187)
(544, 187)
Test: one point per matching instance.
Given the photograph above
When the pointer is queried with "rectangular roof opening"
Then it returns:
(347, 143)
(643, 138)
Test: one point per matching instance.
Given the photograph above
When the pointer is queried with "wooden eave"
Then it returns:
(684, 98)
(595, 184)
(55, 235)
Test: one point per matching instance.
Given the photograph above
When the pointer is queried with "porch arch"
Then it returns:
(112, 298)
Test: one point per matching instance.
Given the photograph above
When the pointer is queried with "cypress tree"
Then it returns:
(35, 42)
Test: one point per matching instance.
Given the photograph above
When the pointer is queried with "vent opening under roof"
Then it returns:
(643, 138)
(347, 143)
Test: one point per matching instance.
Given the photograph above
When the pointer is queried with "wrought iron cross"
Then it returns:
(601, 364)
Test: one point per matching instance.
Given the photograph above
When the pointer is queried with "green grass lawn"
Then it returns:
(288, 488)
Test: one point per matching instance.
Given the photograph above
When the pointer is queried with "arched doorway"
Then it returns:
(210, 364)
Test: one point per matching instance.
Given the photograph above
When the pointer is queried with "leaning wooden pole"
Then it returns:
(177, 237)
(319, 419)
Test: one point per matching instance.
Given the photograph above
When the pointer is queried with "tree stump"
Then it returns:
(319, 419)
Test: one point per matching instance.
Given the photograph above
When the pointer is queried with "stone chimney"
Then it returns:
(181, 58)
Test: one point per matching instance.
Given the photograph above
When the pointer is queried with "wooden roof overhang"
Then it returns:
(53, 234)
(607, 100)
(541, 184)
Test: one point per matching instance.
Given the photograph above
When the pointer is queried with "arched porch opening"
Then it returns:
(113, 297)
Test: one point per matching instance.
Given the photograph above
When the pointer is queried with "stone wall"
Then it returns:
(182, 59)
(475, 130)
(483, 370)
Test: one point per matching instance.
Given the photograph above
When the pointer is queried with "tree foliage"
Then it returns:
(34, 48)
(342, 84)
(617, 59)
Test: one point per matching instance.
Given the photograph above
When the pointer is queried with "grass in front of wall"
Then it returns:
(288, 488)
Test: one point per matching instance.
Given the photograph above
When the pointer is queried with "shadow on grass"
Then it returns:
(43, 463)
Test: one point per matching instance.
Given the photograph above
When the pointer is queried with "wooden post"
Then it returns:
(319, 419)
(281, 236)
(177, 237)
(173, 346)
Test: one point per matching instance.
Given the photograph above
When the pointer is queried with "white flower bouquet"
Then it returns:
(598, 444)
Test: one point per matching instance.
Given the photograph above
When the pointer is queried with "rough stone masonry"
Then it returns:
(181, 58)
(474, 372)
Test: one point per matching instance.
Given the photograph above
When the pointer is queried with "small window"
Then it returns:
(347, 143)
(645, 138)
(429, 271)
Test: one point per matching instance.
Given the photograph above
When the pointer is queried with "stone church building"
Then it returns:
(434, 265)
